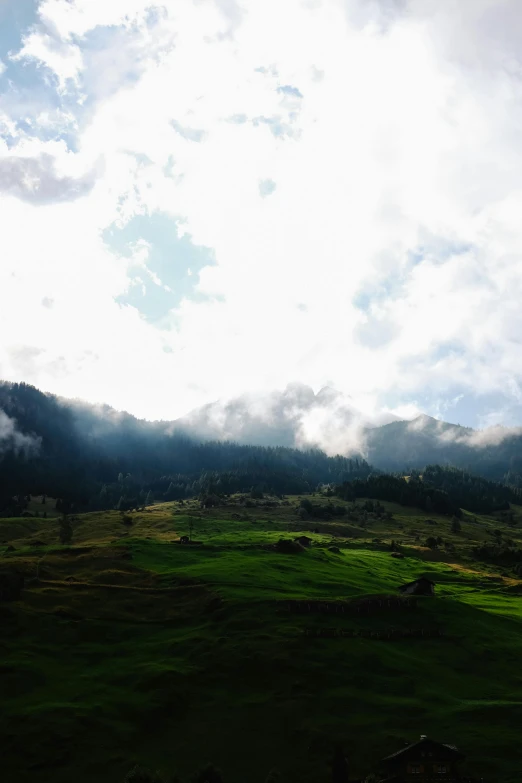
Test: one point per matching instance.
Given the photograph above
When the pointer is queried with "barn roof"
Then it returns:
(425, 742)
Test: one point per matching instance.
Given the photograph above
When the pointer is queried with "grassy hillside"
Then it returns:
(131, 648)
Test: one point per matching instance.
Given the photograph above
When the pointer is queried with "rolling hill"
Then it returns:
(127, 648)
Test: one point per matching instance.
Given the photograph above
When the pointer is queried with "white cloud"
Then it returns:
(392, 132)
(62, 58)
(12, 438)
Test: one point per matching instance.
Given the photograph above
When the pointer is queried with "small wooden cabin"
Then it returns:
(424, 761)
(420, 586)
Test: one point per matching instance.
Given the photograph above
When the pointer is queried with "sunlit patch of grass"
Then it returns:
(132, 648)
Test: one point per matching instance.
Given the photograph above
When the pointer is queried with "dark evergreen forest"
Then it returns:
(95, 458)
(443, 490)
(92, 457)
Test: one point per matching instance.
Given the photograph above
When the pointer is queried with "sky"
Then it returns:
(201, 199)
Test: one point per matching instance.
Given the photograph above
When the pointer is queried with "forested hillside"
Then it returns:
(93, 457)
(98, 458)
(471, 492)
(495, 454)
(397, 490)
(443, 490)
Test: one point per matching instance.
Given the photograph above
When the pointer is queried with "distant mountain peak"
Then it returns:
(329, 394)
(423, 421)
(425, 417)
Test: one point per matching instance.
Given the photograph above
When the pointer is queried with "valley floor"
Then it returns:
(128, 647)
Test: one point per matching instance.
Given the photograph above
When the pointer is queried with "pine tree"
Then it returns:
(456, 527)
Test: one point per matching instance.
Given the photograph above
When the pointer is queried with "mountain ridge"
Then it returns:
(291, 419)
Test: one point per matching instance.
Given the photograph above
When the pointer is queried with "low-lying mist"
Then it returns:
(295, 417)
(11, 439)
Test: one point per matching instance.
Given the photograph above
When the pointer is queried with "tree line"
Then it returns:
(398, 490)
(94, 458)
(440, 489)
(473, 493)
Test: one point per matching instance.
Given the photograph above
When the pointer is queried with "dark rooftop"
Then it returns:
(427, 742)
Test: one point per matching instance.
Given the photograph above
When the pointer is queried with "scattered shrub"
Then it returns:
(288, 547)
(456, 527)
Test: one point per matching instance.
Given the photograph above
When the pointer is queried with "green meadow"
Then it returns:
(127, 647)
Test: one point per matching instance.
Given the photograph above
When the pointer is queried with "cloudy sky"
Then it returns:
(201, 198)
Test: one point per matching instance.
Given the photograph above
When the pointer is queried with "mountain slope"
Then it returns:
(93, 455)
(494, 453)
(424, 440)
(67, 448)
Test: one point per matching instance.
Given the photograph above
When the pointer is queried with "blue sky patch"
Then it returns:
(267, 70)
(388, 288)
(174, 261)
(288, 89)
(16, 16)
(277, 126)
(445, 349)
(266, 187)
(237, 119)
(437, 249)
(191, 134)
(27, 88)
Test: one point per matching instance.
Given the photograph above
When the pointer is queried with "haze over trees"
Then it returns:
(495, 454)
(96, 458)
